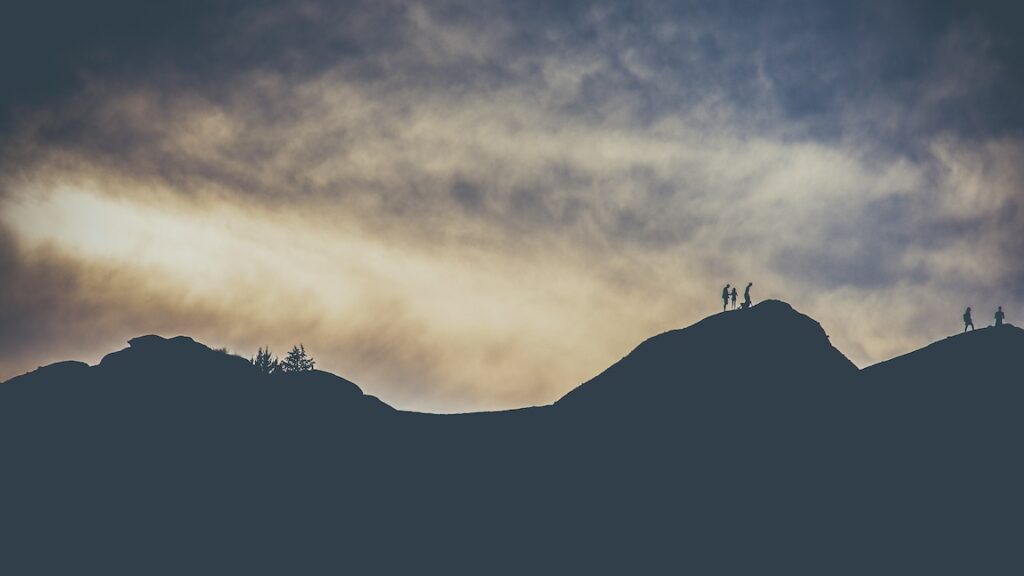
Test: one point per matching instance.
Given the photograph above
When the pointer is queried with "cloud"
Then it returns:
(479, 205)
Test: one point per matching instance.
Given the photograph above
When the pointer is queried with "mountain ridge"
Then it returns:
(169, 455)
(714, 338)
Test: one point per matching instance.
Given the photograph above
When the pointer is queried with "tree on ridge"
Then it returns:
(265, 363)
(297, 360)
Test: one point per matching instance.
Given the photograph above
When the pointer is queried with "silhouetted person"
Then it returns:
(967, 319)
(733, 297)
(1000, 316)
(725, 298)
(746, 296)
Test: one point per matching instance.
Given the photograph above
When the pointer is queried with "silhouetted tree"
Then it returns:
(297, 360)
(266, 363)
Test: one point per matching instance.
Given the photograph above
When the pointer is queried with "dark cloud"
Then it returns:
(893, 71)
(469, 196)
(45, 46)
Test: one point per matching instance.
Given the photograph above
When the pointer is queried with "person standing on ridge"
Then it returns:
(746, 297)
(733, 297)
(1000, 316)
(725, 297)
(967, 319)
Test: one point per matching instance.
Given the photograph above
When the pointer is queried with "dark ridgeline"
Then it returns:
(743, 444)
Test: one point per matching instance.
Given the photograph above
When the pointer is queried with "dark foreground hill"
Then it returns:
(753, 363)
(743, 444)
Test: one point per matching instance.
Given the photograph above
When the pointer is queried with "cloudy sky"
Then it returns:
(481, 204)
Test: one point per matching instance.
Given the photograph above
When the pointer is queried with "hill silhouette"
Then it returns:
(744, 443)
(983, 353)
(769, 349)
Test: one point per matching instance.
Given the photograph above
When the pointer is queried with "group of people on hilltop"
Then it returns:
(969, 322)
(727, 295)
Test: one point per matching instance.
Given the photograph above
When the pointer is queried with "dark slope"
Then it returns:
(169, 457)
(960, 387)
(719, 439)
(761, 388)
(939, 430)
(742, 444)
(987, 354)
(933, 434)
(766, 351)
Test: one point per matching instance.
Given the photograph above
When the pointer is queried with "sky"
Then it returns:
(480, 205)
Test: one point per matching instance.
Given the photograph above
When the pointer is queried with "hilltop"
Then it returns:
(770, 346)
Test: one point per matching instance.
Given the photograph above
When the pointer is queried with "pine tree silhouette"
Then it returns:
(297, 360)
(265, 363)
